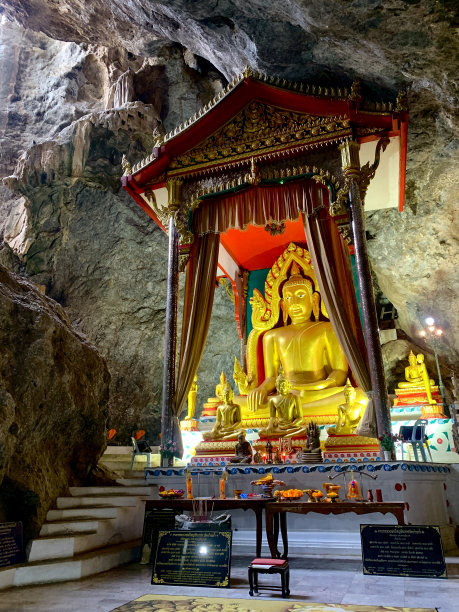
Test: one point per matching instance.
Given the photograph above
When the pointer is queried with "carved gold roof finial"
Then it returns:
(125, 165)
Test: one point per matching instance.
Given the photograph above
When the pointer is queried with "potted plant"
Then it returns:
(169, 451)
(387, 441)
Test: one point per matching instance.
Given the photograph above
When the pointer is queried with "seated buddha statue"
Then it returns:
(308, 351)
(242, 451)
(416, 376)
(228, 419)
(285, 413)
(349, 414)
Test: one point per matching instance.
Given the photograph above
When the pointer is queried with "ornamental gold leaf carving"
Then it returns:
(259, 127)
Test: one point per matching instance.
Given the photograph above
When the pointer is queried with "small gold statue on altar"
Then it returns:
(416, 376)
(286, 418)
(210, 407)
(243, 450)
(350, 413)
(190, 423)
(228, 421)
(192, 399)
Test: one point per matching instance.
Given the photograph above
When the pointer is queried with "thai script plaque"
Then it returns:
(402, 550)
(10, 544)
(194, 558)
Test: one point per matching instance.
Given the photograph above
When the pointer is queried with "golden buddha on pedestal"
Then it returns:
(308, 351)
(418, 389)
(416, 376)
(349, 414)
(305, 346)
(286, 417)
(228, 422)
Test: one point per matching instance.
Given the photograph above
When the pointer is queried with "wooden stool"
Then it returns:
(269, 566)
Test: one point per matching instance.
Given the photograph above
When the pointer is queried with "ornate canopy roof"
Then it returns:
(264, 118)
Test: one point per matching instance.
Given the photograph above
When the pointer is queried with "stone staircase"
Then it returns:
(91, 531)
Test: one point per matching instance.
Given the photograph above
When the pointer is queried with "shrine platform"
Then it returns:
(430, 492)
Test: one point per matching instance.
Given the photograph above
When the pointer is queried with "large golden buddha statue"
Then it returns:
(305, 347)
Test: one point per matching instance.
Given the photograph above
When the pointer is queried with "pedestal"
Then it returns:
(211, 453)
(350, 447)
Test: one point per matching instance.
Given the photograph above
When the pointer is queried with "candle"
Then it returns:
(283, 457)
(264, 458)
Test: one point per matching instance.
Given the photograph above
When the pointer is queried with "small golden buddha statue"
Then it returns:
(308, 351)
(228, 420)
(221, 386)
(416, 376)
(192, 399)
(350, 413)
(285, 414)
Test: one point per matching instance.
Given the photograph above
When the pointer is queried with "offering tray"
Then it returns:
(171, 493)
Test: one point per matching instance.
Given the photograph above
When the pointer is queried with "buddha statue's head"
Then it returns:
(227, 394)
(299, 298)
(412, 358)
(282, 383)
(349, 392)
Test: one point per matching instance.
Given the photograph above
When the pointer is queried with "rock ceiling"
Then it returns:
(85, 81)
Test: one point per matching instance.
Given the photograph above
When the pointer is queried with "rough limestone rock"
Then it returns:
(53, 394)
(71, 83)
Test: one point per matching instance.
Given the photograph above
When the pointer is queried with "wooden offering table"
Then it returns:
(277, 512)
(216, 505)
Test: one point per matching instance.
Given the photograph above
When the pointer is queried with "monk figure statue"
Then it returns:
(228, 419)
(308, 351)
(192, 399)
(243, 450)
(349, 414)
(417, 377)
(285, 414)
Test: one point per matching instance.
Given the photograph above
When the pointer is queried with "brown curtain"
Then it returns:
(258, 206)
(331, 261)
(197, 309)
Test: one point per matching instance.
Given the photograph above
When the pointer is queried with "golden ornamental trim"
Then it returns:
(261, 127)
(333, 92)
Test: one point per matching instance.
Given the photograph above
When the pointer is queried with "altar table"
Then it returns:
(215, 505)
(278, 510)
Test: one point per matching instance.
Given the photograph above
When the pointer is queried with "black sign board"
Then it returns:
(155, 521)
(10, 544)
(193, 558)
(402, 550)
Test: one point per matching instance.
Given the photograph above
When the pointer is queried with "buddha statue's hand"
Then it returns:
(258, 396)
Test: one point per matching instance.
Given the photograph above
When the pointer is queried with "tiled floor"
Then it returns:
(311, 579)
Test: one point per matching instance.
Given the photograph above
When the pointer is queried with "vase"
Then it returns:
(387, 455)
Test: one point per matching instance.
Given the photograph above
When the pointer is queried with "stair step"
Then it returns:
(69, 527)
(98, 501)
(68, 546)
(82, 513)
(82, 565)
(99, 491)
(135, 481)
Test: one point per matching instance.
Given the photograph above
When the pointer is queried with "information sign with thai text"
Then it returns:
(194, 558)
(402, 550)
